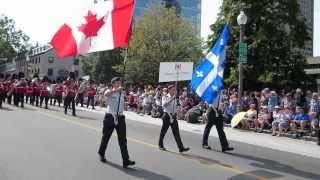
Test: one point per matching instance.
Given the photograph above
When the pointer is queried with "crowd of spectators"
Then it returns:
(295, 112)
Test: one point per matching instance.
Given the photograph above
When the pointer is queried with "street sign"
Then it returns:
(175, 71)
(243, 52)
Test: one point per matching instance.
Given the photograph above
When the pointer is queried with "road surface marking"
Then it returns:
(72, 120)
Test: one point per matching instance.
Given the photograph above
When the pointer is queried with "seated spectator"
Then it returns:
(263, 120)
(250, 117)
(282, 119)
(133, 101)
(273, 101)
(301, 120)
(147, 102)
(193, 114)
(314, 110)
(230, 111)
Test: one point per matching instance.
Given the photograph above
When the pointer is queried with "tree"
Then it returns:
(12, 41)
(275, 32)
(159, 35)
(89, 64)
(105, 68)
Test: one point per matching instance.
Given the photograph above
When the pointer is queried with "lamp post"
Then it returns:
(242, 21)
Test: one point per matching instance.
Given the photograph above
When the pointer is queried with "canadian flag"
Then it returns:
(106, 26)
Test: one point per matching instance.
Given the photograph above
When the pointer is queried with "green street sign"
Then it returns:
(243, 52)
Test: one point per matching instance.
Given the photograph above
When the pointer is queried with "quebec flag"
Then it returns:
(207, 78)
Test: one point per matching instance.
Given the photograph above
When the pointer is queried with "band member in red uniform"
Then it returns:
(2, 90)
(91, 92)
(57, 92)
(81, 92)
(20, 90)
(29, 93)
(11, 89)
(7, 84)
(44, 92)
(36, 90)
(70, 90)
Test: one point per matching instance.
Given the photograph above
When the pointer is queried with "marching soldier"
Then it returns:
(70, 90)
(114, 119)
(7, 88)
(29, 93)
(36, 90)
(169, 118)
(57, 92)
(81, 92)
(10, 87)
(91, 92)
(2, 89)
(44, 92)
(20, 90)
(215, 117)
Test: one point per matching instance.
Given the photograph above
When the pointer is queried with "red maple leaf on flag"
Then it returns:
(92, 26)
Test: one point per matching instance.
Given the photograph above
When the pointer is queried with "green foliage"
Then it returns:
(12, 41)
(274, 33)
(160, 35)
(104, 70)
(89, 64)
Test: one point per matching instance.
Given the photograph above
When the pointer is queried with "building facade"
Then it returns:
(43, 62)
(189, 9)
(306, 9)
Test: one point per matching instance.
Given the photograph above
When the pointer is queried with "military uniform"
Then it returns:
(70, 91)
(169, 119)
(91, 92)
(114, 119)
(215, 118)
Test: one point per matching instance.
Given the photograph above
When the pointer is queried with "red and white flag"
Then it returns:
(106, 26)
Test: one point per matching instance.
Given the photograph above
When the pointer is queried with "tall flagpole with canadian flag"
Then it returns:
(107, 25)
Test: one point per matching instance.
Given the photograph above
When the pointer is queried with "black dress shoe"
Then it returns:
(206, 147)
(162, 148)
(227, 149)
(102, 158)
(128, 163)
(184, 149)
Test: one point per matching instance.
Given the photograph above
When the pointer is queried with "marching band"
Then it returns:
(38, 92)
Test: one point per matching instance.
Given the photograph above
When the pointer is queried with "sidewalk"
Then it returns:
(301, 147)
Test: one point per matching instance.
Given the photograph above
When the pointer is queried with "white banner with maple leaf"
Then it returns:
(106, 26)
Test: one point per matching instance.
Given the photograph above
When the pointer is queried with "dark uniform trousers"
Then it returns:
(80, 99)
(67, 101)
(1, 99)
(174, 127)
(108, 127)
(46, 99)
(218, 121)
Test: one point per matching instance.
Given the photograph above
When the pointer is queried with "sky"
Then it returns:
(40, 19)
(316, 30)
(210, 10)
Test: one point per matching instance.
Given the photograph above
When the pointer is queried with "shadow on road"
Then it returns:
(276, 166)
(140, 173)
(258, 174)
(6, 109)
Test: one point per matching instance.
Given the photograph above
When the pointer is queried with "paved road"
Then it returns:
(38, 144)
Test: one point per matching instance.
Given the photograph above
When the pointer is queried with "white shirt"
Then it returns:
(112, 104)
(169, 104)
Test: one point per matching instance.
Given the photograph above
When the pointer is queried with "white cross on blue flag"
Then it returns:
(207, 78)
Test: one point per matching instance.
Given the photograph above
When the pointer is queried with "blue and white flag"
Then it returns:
(207, 78)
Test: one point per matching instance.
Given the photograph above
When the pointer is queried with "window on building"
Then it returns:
(50, 59)
(50, 72)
